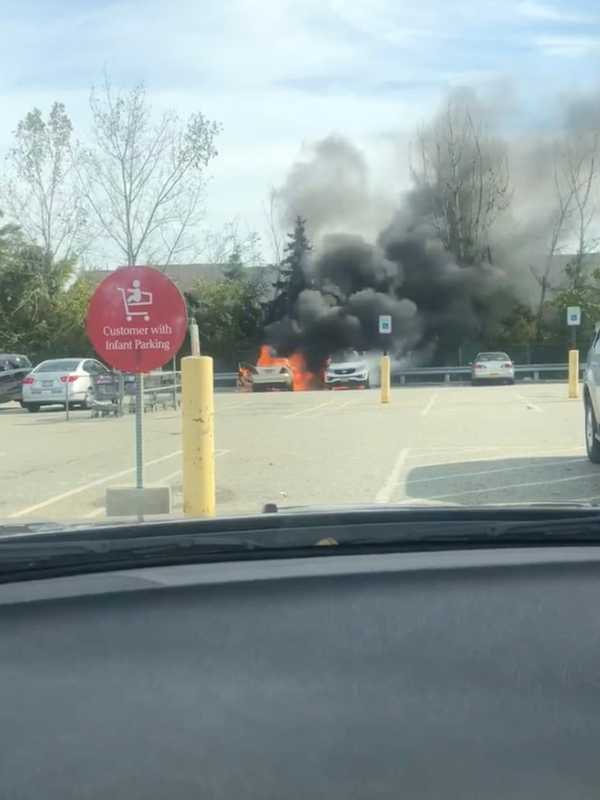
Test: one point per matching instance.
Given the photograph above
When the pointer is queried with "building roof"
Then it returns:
(186, 276)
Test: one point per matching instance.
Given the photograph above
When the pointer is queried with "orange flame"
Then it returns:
(303, 378)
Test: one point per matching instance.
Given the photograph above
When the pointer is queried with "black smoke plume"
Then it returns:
(435, 303)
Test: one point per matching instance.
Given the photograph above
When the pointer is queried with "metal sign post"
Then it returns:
(139, 431)
(385, 329)
(194, 338)
(573, 321)
(174, 382)
(67, 411)
(137, 322)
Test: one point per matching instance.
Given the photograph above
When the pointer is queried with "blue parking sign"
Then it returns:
(385, 323)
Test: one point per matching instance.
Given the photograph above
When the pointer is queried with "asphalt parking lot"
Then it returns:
(437, 445)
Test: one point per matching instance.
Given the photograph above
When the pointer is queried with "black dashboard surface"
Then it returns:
(434, 675)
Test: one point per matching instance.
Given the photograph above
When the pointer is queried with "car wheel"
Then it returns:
(32, 407)
(367, 384)
(591, 443)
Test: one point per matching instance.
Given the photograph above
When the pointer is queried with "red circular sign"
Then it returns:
(136, 319)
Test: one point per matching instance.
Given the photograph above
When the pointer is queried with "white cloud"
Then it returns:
(567, 46)
(544, 12)
(274, 72)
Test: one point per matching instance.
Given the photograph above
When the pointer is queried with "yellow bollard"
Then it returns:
(198, 412)
(573, 374)
(385, 379)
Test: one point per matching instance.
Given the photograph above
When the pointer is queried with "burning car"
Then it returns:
(346, 368)
(270, 372)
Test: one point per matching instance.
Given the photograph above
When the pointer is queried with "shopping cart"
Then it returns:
(108, 394)
(135, 299)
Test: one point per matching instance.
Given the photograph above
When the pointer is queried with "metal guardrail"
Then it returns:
(164, 390)
(447, 373)
(444, 374)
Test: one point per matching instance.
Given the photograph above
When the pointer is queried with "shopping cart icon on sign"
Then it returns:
(134, 299)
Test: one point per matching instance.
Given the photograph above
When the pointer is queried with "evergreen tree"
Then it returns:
(291, 280)
(235, 265)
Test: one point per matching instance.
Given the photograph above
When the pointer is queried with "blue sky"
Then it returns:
(279, 74)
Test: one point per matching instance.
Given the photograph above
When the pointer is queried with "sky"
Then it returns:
(280, 75)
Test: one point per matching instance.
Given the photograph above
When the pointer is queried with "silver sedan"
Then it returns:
(495, 366)
(55, 380)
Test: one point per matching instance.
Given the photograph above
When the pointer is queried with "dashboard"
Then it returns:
(418, 675)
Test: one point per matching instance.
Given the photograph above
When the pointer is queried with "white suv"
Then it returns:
(347, 368)
(591, 400)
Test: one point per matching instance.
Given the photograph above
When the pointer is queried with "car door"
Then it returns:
(593, 373)
(12, 371)
(6, 380)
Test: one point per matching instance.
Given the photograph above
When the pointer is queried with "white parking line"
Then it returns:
(425, 452)
(58, 497)
(308, 410)
(586, 475)
(391, 484)
(96, 512)
(429, 405)
(481, 473)
(528, 403)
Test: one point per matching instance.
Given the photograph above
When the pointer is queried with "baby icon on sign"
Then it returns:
(134, 298)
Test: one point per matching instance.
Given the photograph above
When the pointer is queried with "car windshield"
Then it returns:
(297, 242)
(341, 356)
(58, 366)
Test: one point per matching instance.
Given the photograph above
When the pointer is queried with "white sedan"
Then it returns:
(51, 382)
(489, 367)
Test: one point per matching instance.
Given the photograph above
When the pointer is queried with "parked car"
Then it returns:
(489, 367)
(256, 378)
(346, 368)
(13, 368)
(49, 383)
(591, 400)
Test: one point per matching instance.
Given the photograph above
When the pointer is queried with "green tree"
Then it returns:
(585, 294)
(229, 314)
(235, 266)
(40, 191)
(292, 279)
(42, 303)
(517, 328)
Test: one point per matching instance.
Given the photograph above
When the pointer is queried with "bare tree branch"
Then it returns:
(40, 190)
(273, 214)
(464, 178)
(143, 181)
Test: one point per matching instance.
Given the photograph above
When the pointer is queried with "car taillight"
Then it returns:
(28, 381)
(68, 378)
(507, 364)
(479, 366)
